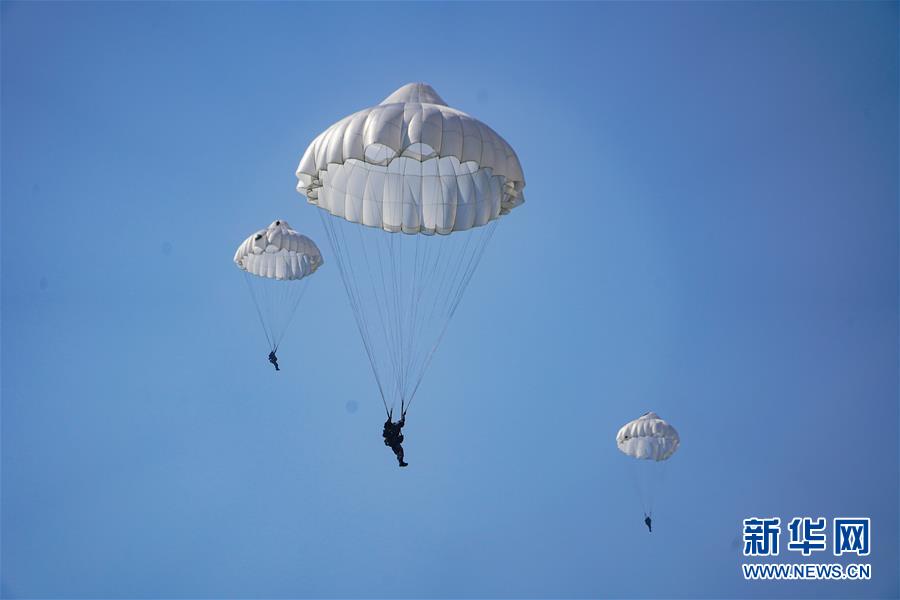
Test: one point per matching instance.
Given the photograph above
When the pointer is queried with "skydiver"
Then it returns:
(274, 360)
(648, 522)
(393, 437)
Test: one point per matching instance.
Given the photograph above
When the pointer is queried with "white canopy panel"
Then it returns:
(412, 164)
(278, 252)
(648, 438)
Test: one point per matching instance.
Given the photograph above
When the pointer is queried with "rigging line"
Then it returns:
(364, 307)
(289, 293)
(485, 239)
(435, 268)
(381, 313)
(356, 305)
(436, 294)
(443, 320)
(637, 484)
(293, 297)
(402, 317)
(408, 313)
(397, 264)
(331, 227)
(372, 244)
(657, 484)
(359, 312)
(392, 295)
(262, 288)
(348, 271)
(414, 295)
(430, 293)
(441, 300)
(345, 267)
(425, 272)
(396, 248)
(474, 261)
(441, 275)
(383, 252)
(247, 277)
(267, 302)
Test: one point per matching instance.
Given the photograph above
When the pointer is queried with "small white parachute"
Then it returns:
(278, 252)
(648, 438)
(276, 262)
(651, 441)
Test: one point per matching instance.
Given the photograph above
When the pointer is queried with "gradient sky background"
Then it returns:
(710, 232)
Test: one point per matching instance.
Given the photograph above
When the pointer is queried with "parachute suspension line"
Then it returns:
(384, 245)
(276, 302)
(382, 303)
(432, 266)
(415, 295)
(262, 321)
(636, 484)
(444, 280)
(474, 259)
(402, 298)
(293, 294)
(345, 268)
(438, 279)
(392, 282)
(397, 263)
(405, 322)
(657, 485)
(439, 272)
(647, 477)
(349, 278)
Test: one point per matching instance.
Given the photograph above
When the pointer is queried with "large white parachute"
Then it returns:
(648, 438)
(276, 262)
(410, 165)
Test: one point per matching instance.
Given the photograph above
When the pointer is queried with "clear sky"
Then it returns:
(710, 232)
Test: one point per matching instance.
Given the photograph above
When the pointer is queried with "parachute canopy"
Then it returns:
(412, 164)
(648, 438)
(278, 252)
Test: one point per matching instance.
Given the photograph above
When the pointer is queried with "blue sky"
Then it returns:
(710, 232)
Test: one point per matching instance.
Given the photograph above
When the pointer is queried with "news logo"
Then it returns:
(806, 536)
